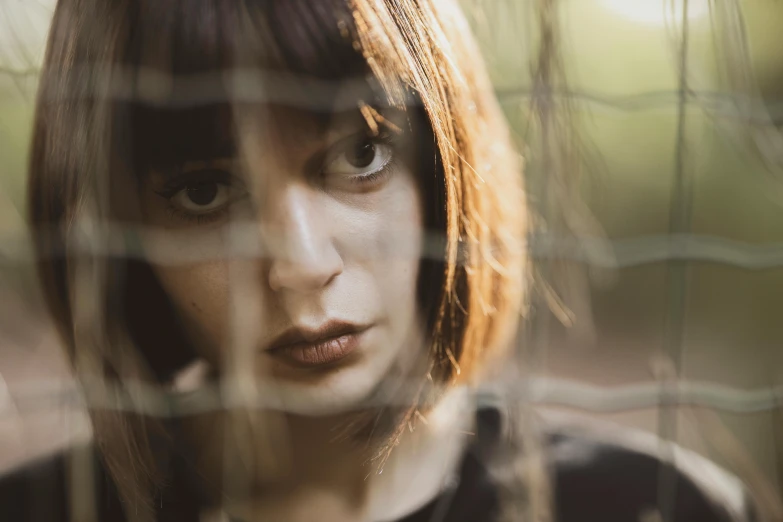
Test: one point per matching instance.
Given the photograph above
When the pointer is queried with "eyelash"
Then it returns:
(388, 140)
(373, 176)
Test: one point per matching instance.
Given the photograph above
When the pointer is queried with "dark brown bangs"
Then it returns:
(193, 61)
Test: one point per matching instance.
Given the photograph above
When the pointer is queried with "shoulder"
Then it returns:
(43, 489)
(614, 473)
(596, 472)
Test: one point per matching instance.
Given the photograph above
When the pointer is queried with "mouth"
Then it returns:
(324, 346)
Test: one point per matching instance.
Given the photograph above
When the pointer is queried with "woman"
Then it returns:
(313, 210)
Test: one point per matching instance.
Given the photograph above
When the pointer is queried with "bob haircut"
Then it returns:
(98, 112)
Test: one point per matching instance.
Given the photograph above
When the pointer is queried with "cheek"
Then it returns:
(393, 232)
(400, 247)
(200, 295)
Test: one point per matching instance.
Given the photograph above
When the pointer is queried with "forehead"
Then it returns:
(284, 127)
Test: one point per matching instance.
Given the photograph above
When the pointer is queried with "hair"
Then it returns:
(100, 110)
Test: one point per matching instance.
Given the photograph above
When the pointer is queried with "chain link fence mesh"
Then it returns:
(733, 108)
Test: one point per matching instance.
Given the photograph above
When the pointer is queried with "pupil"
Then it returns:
(363, 154)
(203, 194)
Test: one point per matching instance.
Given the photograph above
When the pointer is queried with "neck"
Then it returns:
(311, 466)
(425, 461)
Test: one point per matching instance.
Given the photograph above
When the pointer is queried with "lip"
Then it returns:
(312, 348)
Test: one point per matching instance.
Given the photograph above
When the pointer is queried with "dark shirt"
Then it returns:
(592, 480)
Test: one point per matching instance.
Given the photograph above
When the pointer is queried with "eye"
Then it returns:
(202, 193)
(202, 197)
(358, 157)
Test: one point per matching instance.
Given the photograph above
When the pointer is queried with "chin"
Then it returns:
(334, 390)
(344, 390)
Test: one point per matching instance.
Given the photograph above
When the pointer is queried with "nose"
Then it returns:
(297, 236)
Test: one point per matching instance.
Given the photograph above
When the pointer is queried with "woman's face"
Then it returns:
(326, 308)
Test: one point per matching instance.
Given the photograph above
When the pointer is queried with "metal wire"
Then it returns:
(123, 241)
(41, 396)
(153, 86)
(680, 248)
(680, 215)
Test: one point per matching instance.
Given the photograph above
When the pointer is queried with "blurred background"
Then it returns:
(654, 148)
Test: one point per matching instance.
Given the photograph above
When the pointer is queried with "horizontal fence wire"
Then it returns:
(156, 87)
(51, 395)
(124, 241)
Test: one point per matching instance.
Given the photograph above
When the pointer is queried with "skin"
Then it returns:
(334, 248)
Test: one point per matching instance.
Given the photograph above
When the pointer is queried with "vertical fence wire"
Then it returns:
(681, 203)
(544, 97)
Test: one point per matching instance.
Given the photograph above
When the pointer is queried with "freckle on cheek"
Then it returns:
(196, 306)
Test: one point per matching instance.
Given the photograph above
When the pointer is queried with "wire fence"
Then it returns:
(122, 241)
(42, 396)
(679, 249)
